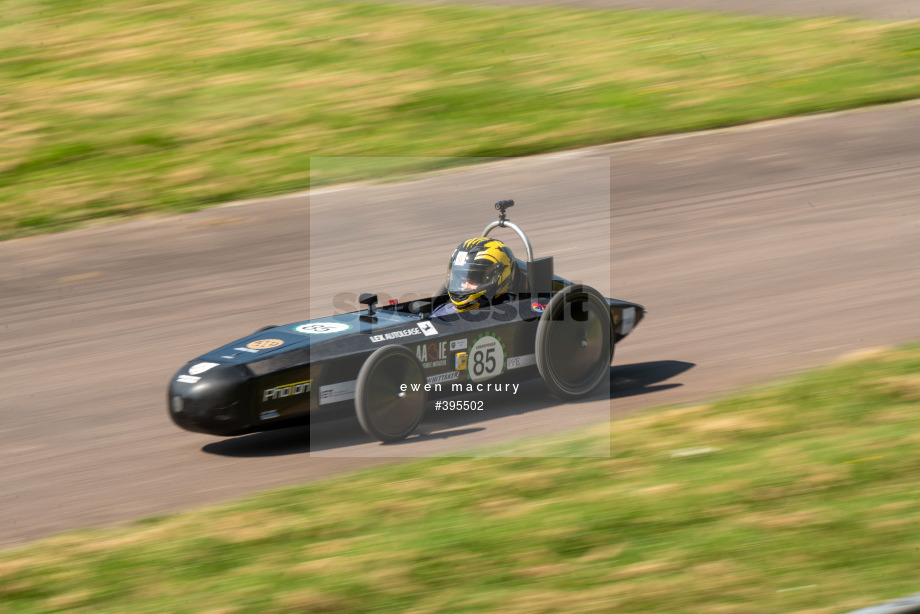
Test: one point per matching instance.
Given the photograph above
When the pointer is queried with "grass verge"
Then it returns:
(795, 497)
(111, 109)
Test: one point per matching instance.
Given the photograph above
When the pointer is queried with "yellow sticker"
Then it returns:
(460, 362)
(264, 344)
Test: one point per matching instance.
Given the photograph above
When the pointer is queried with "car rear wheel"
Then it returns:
(385, 410)
(573, 343)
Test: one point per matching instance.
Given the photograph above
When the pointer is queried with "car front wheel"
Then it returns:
(573, 343)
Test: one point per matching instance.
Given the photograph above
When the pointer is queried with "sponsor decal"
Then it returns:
(457, 344)
(397, 334)
(432, 355)
(267, 415)
(538, 307)
(516, 362)
(321, 328)
(264, 344)
(247, 350)
(444, 377)
(486, 358)
(334, 393)
(460, 361)
(229, 356)
(462, 258)
(629, 320)
(286, 390)
(201, 367)
(188, 379)
(427, 328)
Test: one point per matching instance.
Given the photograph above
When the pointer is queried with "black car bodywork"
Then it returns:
(378, 361)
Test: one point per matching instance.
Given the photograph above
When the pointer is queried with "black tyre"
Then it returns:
(264, 328)
(385, 411)
(573, 344)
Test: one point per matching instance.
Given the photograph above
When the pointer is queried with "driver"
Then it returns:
(479, 274)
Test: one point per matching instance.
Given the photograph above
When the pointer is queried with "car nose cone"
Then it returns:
(216, 401)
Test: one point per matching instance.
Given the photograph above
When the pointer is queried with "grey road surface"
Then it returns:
(759, 251)
(887, 10)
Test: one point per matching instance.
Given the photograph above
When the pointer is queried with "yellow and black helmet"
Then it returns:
(480, 268)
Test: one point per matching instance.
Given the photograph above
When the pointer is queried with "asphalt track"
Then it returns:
(759, 251)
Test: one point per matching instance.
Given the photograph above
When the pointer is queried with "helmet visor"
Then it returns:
(467, 279)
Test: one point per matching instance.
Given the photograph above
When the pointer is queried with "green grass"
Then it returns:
(123, 108)
(799, 496)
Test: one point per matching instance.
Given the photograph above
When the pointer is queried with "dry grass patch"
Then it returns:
(906, 386)
(645, 569)
(738, 423)
(310, 600)
(71, 600)
(872, 354)
(799, 519)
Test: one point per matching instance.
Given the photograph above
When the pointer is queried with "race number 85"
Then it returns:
(486, 359)
(484, 362)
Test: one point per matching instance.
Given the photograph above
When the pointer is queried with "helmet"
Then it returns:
(479, 268)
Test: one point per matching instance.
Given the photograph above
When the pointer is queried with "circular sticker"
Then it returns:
(264, 344)
(321, 328)
(538, 307)
(486, 358)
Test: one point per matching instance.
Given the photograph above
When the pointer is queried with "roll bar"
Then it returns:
(503, 222)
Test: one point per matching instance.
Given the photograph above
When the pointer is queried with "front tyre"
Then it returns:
(386, 411)
(573, 344)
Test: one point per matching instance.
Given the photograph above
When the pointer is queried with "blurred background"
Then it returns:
(221, 168)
